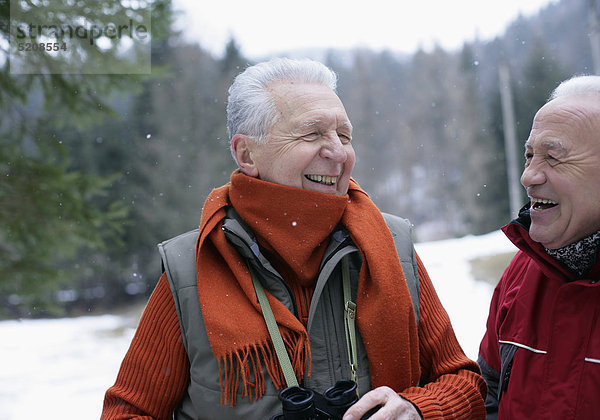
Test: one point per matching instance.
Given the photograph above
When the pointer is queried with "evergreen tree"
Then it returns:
(50, 212)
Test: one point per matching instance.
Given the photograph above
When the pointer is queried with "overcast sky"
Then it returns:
(264, 27)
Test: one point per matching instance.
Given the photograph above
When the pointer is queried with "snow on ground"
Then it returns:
(60, 369)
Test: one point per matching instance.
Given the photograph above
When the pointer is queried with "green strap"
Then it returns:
(349, 321)
(282, 355)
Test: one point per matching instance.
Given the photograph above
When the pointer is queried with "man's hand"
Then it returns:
(393, 406)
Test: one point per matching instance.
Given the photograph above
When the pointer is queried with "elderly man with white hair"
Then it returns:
(294, 281)
(541, 352)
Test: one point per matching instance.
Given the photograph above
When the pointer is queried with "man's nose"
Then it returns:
(334, 149)
(532, 175)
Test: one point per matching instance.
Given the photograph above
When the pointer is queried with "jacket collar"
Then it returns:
(239, 234)
(517, 232)
(241, 237)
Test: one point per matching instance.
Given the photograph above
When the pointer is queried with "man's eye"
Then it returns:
(311, 136)
(344, 138)
(552, 161)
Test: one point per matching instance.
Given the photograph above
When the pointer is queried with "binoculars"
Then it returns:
(300, 403)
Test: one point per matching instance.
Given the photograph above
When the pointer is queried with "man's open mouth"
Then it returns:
(541, 204)
(322, 179)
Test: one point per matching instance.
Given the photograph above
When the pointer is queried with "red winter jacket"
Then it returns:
(541, 353)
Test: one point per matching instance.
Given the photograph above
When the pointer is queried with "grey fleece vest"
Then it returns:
(329, 363)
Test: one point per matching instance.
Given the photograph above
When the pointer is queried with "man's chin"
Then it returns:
(332, 189)
(539, 234)
(545, 238)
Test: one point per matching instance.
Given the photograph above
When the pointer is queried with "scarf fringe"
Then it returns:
(244, 367)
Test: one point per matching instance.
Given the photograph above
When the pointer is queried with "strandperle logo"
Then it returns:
(33, 32)
(80, 37)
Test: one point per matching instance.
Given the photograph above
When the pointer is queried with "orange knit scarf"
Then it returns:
(234, 323)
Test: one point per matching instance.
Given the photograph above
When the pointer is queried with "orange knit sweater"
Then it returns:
(155, 372)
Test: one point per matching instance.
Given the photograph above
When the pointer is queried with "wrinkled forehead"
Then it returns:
(576, 107)
(565, 120)
(288, 93)
(307, 103)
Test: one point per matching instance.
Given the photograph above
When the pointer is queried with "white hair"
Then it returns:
(250, 106)
(577, 85)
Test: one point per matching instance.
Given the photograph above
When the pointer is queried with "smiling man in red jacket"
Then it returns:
(541, 352)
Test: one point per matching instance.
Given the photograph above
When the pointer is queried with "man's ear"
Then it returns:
(242, 150)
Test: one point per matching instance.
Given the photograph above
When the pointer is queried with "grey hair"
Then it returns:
(250, 106)
(577, 85)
